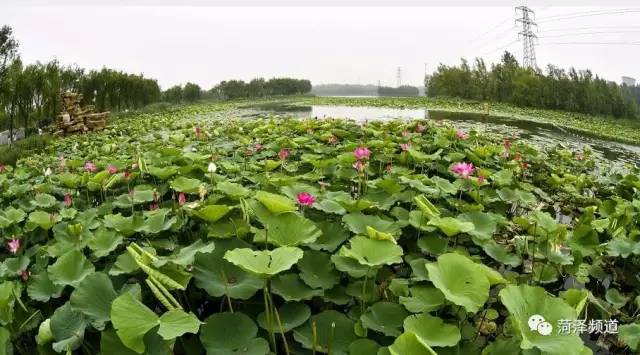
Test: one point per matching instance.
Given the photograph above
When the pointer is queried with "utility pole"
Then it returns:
(399, 77)
(527, 35)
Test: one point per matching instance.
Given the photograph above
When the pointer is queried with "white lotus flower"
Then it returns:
(212, 168)
(48, 172)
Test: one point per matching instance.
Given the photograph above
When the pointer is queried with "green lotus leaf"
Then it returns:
(186, 185)
(385, 317)
(451, 226)
(291, 314)
(275, 203)
(432, 331)
(185, 255)
(363, 347)
(93, 297)
(43, 219)
(219, 277)
(290, 229)
(484, 224)
(162, 173)
(372, 252)
(462, 281)
(333, 234)
(358, 223)
(332, 329)
(501, 254)
(8, 292)
(44, 335)
(232, 333)
(42, 289)
(44, 200)
(423, 299)
(176, 323)
(317, 271)
(526, 301)
(156, 221)
(630, 335)
(350, 265)
(232, 190)
(67, 327)
(132, 320)
(125, 225)
(427, 208)
(70, 269)
(11, 216)
(408, 343)
(576, 298)
(264, 262)
(291, 288)
(211, 213)
(616, 299)
(104, 241)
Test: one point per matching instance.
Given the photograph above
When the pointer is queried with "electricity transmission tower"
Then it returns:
(527, 35)
(399, 77)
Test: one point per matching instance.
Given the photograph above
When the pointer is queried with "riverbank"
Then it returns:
(620, 130)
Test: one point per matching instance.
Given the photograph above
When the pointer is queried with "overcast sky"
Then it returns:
(324, 44)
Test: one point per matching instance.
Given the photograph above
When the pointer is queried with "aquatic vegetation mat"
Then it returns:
(193, 232)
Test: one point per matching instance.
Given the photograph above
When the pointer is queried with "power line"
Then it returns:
(501, 47)
(611, 12)
(592, 43)
(591, 12)
(491, 30)
(589, 28)
(589, 33)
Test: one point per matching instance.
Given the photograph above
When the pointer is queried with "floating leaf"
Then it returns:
(232, 333)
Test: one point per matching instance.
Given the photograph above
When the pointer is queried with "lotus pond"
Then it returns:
(196, 232)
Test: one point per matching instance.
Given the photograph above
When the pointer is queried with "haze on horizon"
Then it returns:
(363, 45)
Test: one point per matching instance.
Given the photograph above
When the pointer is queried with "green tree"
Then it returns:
(191, 92)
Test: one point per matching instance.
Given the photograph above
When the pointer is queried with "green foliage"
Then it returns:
(407, 260)
(572, 90)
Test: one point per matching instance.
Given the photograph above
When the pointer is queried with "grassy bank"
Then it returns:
(621, 130)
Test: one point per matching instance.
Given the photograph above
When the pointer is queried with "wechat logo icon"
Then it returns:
(538, 324)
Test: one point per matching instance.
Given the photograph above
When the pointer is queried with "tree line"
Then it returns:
(30, 94)
(507, 81)
(236, 89)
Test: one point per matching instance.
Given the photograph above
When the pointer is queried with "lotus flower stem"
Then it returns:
(275, 312)
(533, 258)
(484, 314)
(314, 330)
(226, 290)
(267, 314)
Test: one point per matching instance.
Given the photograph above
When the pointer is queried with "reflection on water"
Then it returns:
(538, 133)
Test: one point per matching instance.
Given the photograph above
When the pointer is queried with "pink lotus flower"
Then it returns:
(461, 135)
(333, 140)
(153, 206)
(358, 165)
(68, 200)
(24, 274)
(464, 170)
(198, 131)
(283, 153)
(2, 168)
(112, 169)
(258, 147)
(405, 146)
(361, 153)
(481, 179)
(579, 156)
(306, 199)
(13, 245)
(90, 167)
(182, 199)
(420, 128)
(127, 175)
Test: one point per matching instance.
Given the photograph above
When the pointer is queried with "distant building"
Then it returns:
(629, 81)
